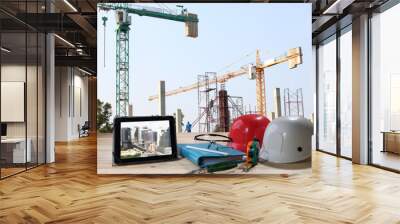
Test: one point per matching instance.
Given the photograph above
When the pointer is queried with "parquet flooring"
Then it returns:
(70, 191)
(7, 171)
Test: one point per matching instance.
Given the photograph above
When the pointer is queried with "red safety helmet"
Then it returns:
(245, 128)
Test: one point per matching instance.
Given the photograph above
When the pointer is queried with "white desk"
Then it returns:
(18, 144)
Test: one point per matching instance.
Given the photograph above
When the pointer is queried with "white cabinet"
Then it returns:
(18, 147)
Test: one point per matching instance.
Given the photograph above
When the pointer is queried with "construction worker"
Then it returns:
(188, 127)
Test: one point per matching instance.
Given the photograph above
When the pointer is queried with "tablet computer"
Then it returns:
(144, 139)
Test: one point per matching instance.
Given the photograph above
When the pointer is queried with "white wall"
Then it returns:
(10, 73)
(71, 102)
(61, 103)
(16, 73)
(33, 126)
(80, 110)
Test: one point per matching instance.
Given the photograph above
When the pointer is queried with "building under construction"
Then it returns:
(206, 101)
(216, 109)
(293, 103)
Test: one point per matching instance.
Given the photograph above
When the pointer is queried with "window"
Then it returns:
(385, 89)
(22, 77)
(346, 92)
(327, 95)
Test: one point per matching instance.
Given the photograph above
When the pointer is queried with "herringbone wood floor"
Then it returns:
(69, 191)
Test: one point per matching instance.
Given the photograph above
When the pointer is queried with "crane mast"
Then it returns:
(122, 41)
(122, 62)
(260, 86)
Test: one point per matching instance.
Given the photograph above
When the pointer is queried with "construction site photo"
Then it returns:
(234, 81)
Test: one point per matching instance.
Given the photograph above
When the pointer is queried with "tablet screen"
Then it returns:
(141, 139)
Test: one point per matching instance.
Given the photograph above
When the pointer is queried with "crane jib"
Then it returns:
(293, 56)
(155, 14)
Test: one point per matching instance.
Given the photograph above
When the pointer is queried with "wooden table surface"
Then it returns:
(181, 166)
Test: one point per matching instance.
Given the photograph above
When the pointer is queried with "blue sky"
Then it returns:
(159, 50)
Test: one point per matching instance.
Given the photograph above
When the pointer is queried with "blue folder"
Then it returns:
(206, 157)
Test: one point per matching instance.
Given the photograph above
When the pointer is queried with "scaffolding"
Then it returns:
(248, 109)
(293, 102)
(216, 109)
(207, 119)
(236, 105)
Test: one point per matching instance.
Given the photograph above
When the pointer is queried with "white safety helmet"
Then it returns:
(287, 140)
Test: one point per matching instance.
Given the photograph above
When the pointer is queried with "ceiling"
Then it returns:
(75, 22)
(330, 15)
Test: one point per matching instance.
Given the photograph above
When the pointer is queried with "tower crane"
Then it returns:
(122, 40)
(293, 57)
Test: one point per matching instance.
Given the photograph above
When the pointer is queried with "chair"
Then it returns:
(84, 130)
